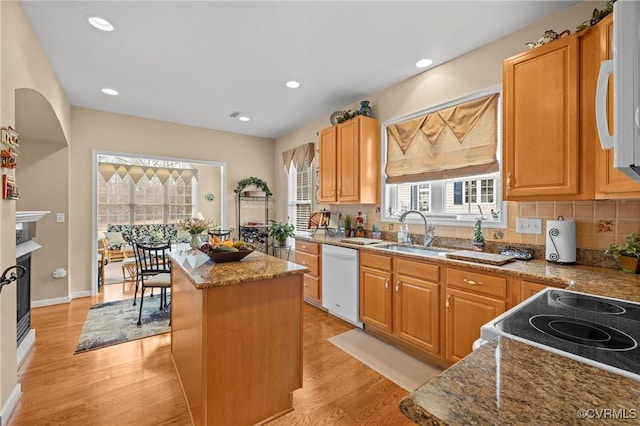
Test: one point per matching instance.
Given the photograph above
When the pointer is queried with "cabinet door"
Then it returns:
(466, 313)
(417, 312)
(375, 299)
(610, 183)
(529, 288)
(348, 161)
(327, 144)
(541, 134)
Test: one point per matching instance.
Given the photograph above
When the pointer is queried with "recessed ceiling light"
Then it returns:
(292, 84)
(423, 63)
(243, 118)
(101, 24)
(108, 91)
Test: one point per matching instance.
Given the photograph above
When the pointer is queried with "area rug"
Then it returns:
(396, 365)
(112, 323)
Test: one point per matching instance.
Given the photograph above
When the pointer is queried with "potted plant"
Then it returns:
(375, 232)
(195, 226)
(280, 231)
(347, 225)
(478, 242)
(627, 253)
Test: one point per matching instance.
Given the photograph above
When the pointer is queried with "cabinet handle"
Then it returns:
(472, 282)
(304, 247)
(398, 287)
(306, 285)
(304, 263)
(386, 284)
(447, 304)
(509, 180)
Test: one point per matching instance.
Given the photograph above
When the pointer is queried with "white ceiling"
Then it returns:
(194, 62)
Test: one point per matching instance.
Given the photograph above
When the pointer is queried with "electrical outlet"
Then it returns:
(60, 217)
(528, 226)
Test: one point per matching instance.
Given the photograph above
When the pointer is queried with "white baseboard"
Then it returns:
(79, 294)
(48, 302)
(8, 408)
(25, 346)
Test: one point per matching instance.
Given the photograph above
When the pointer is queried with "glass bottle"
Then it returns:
(359, 225)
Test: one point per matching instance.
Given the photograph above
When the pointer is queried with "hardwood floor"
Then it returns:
(135, 383)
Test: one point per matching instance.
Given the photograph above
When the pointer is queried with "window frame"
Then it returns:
(289, 203)
(438, 192)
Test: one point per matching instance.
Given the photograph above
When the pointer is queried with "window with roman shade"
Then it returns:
(298, 169)
(452, 142)
(444, 161)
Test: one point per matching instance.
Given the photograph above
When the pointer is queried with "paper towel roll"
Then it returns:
(561, 241)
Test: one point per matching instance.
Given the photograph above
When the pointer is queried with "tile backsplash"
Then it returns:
(598, 223)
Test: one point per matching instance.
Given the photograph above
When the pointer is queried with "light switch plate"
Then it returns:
(528, 226)
(60, 217)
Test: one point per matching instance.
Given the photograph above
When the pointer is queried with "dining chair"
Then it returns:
(154, 271)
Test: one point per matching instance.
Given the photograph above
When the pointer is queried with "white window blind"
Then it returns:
(299, 195)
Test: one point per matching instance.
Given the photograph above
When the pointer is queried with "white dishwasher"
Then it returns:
(341, 283)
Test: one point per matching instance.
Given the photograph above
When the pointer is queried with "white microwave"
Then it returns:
(625, 66)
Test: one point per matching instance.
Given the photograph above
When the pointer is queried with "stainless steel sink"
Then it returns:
(424, 251)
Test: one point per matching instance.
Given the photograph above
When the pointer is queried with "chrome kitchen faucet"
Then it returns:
(429, 233)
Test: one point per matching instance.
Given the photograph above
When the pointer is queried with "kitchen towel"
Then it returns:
(561, 241)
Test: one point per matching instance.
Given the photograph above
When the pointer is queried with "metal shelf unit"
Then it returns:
(255, 234)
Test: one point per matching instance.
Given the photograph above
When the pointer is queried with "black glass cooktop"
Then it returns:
(603, 330)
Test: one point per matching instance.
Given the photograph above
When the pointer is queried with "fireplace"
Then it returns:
(25, 246)
(24, 297)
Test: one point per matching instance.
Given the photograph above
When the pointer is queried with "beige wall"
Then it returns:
(95, 130)
(44, 186)
(209, 178)
(469, 73)
(23, 65)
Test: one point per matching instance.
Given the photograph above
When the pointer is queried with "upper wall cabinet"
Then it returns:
(350, 162)
(542, 149)
(551, 146)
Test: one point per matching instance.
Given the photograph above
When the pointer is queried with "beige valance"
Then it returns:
(458, 141)
(298, 156)
(107, 170)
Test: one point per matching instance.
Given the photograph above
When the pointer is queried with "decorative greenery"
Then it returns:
(347, 221)
(281, 230)
(597, 15)
(478, 236)
(253, 181)
(348, 115)
(374, 228)
(630, 247)
(195, 225)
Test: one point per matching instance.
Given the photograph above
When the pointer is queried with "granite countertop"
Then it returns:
(588, 279)
(508, 382)
(204, 273)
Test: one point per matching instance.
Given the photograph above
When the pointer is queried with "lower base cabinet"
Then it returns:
(466, 313)
(309, 254)
(401, 299)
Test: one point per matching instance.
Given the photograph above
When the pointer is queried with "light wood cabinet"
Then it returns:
(375, 291)
(417, 304)
(472, 299)
(549, 122)
(541, 123)
(309, 254)
(529, 288)
(610, 183)
(401, 298)
(349, 162)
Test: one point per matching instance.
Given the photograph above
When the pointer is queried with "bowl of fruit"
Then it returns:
(227, 250)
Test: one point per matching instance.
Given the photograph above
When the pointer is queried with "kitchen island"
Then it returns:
(236, 336)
